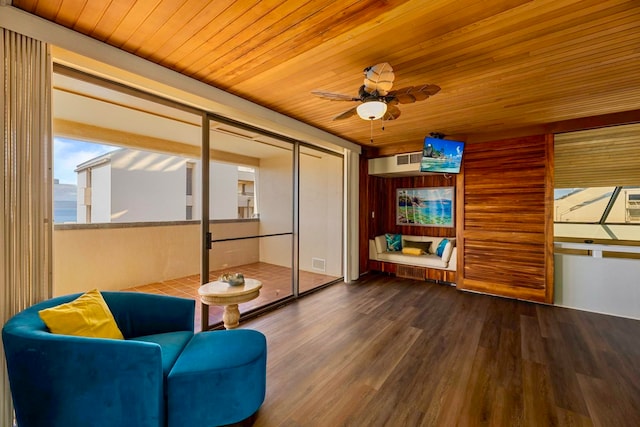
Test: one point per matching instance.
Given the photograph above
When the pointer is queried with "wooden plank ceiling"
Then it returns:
(501, 64)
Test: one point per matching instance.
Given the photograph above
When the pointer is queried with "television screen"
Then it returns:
(441, 155)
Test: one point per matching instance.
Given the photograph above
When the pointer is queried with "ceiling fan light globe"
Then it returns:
(371, 110)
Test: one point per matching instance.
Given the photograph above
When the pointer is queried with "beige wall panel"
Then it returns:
(118, 258)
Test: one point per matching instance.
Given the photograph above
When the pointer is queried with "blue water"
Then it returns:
(64, 211)
(438, 209)
(448, 165)
(434, 212)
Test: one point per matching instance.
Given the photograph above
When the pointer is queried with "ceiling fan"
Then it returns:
(377, 100)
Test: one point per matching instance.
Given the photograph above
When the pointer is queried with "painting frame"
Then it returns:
(426, 206)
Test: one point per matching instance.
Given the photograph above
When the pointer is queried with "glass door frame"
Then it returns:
(206, 118)
(205, 235)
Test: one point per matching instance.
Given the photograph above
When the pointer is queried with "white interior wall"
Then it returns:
(275, 200)
(321, 212)
(351, 214)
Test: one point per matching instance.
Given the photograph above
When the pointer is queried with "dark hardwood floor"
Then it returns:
(391, 352)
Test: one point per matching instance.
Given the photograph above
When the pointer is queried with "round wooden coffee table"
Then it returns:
(223, 294)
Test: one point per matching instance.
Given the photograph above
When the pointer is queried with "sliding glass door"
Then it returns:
(145, 184)
(250, 212)
(321, 213)
(121, 195)
(275, 214)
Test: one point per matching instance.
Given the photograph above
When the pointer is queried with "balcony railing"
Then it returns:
(119, 256)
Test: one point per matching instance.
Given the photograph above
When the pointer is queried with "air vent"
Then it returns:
(406, 164)
(411, 272)
(318, 264)
(402, 159)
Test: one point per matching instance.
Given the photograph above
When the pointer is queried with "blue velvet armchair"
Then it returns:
(61, 380)
(160, 375)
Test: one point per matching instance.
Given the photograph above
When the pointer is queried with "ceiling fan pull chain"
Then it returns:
(371, 121)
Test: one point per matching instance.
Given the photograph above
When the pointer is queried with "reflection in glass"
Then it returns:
(626, 208)
(581, 204)
(589, 205)
(598, 213)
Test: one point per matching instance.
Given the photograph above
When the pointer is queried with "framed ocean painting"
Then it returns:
(429, 206)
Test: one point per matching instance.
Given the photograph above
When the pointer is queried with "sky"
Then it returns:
(68, 154)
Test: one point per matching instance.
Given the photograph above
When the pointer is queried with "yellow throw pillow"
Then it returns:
(412, 244)
(412, 251)
(86, 316)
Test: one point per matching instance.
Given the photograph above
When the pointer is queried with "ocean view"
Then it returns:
(64, 203)
(64, 211)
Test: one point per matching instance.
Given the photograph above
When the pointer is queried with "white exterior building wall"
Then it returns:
(81, 208)
(223, 191)
(101, 193)
(147, 187)
(142, 186)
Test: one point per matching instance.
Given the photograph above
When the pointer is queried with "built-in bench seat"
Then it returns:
(419, 253)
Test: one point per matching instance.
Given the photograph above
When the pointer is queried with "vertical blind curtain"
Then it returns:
(25, 166)
(603, 157)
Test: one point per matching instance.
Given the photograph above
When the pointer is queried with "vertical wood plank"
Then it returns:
(506, 230)
(460, 227)
(548, 218)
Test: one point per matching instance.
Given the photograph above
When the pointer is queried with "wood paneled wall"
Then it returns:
(505, 224)
(378, 207)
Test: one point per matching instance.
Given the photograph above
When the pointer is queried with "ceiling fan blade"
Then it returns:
(393, 112)
(408, 95)
(333, 96)
(349, 113)
(379, 78)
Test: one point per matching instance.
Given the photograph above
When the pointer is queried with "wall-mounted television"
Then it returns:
(441, 155)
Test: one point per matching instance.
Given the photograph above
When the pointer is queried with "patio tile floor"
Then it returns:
(276, 284)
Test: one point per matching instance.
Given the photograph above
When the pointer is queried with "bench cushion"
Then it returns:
(433, 261)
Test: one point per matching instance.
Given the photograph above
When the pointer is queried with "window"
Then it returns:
(626, 207)
(582, 205)
(190, 171)
(597, 196)
(604, 205)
